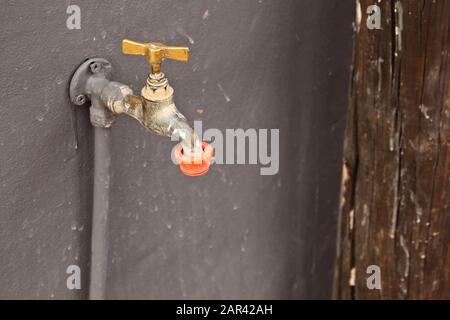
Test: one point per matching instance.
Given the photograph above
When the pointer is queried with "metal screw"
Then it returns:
(95, 67)
(80, 100)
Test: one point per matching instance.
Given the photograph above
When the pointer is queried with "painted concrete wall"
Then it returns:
(230, 234)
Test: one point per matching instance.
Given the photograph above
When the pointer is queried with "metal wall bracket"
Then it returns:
(80, 90)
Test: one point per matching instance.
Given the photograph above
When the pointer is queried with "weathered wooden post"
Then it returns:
(395, 202)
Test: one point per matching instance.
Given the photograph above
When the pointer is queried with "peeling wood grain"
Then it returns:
(396, 155)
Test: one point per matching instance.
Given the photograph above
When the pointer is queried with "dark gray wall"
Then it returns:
(230, 234)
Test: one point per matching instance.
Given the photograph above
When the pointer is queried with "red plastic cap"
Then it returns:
(188, 163)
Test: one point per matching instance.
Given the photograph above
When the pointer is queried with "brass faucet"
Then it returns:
(154, 108)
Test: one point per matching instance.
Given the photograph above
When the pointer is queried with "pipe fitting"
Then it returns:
(154, 109)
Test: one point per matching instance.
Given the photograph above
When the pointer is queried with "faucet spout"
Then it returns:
(160, 117)
(180, 129)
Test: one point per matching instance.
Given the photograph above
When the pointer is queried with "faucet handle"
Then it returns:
(155, 52)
